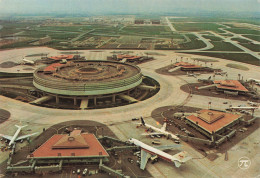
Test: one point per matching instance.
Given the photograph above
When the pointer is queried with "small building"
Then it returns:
(188, 66)
(230, 86)
(61, 57)
(211, 122)
(128, 58)
(75, 147)
(139, 21)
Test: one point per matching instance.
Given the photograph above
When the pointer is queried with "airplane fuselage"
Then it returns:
(15, 136)
(153, 151)
(161, 131)
(244, 108)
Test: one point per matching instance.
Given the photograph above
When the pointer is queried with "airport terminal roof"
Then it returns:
(186, 65)
(52, 67)
(220, 120)
(230, 85)
(76, 144)
(61, 57)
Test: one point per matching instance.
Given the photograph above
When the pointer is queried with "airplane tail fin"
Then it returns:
(180, 158)
(164, 126)
(20, 126)
(142, 120)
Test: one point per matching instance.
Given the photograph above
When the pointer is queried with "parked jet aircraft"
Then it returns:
(149, 151)
(15, 137)
(243, 108)
(27, 61)
(161, 131)
(192, 75)
(253, 103)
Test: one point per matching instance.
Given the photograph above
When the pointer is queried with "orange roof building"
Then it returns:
(73, 146)
(188, 66)
(232, 85)
(211, 121)
(128, 57)
(58, 58)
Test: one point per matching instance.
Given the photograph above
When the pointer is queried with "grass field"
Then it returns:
(223, 46)
(237, 66)
(206, 60)
(240, 57)
(53, 35)
(10, 28)
(212, 38)
(65, 28)
(252, 47)
(243, 31)
(253, 37)
(148, 31)
(193, 44)
(240, 40)
(191, 27)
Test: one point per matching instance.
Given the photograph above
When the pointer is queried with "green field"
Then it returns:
(194, 43)
(243, 31)
(240, 57)
(192, 27)
(237, 66)
(212, 38)
(10, 28)
(223, 46)
(65, 28)
(241, 40)
(253, 37)
(252, 47)
(158, 31)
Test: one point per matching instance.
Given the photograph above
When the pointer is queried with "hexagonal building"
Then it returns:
(88, 80)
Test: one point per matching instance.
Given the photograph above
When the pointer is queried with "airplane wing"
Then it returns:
(166, 147)
(144, 158)
(6, 137)
(25, 136)
(164, 127)
(180, 158)
(152, 133)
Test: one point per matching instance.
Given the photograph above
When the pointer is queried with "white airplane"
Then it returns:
(161, 131)
(192, 75)
(149, 151)
(255, 80)
(253, 103)
(15, 137)
(27, 61)
(220, 73)
(244, 108)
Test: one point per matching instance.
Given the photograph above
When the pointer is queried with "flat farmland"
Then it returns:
(252, 47)
(213, 38)
(223, 46)
(253, 37)
(243, 31)
(146, 30)
(78, 28)
(195, 27)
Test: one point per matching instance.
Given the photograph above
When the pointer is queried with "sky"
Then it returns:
(93, 7)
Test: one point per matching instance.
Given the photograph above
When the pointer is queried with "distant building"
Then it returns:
(139, 21)
(45, 40)
(156, 21)
(188, 66)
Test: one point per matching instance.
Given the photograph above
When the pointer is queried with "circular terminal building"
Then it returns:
(89, 81)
